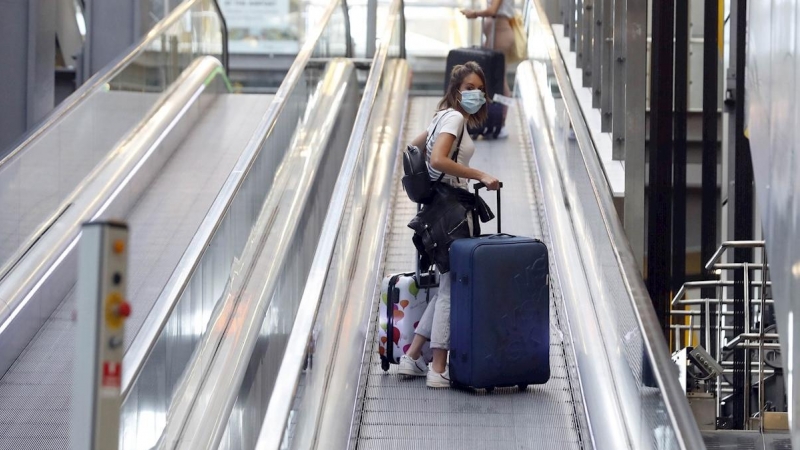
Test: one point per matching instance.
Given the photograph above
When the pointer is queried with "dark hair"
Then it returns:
(450, 99)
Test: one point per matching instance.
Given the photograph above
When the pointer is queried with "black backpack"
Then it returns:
(416, 179)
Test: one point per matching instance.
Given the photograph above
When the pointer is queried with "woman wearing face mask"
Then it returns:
(464, 103)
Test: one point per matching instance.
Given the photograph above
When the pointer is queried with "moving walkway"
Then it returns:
(316, 380)
(256, 270)
(160, 140)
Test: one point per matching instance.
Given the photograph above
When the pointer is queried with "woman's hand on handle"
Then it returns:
(491, 183)
(469, 14)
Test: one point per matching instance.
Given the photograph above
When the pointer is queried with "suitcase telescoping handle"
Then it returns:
(479, 186)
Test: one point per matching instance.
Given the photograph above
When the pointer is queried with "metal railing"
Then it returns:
(350, 183)
(609, 39)
(34, 189)
(580, 208)
(182, 313)
(717, 311)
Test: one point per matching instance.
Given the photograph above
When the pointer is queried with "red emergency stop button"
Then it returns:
(117, 309)
(124, 309)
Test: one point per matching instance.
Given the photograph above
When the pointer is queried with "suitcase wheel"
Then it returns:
(385, 365)
(522, 387)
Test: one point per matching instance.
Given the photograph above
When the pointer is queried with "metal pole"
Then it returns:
(588, 32)
(372, 24)
(762, 308)
(618, 115)
(707, 319)
(607, 63)
(709, 210)
(659, 254)
(748, 379)
(741, 202)
(718, 310)
(633, 116)
(579, 33)
(597, 51)
(761, 369)
(679, 169)
(573, 26)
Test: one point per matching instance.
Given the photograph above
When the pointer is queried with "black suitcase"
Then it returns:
(492, 63)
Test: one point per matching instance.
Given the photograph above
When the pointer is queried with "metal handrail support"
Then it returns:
(731, 244)
(743, 340)
(750, 336)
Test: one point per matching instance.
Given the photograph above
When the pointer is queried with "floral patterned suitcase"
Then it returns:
(401, 308)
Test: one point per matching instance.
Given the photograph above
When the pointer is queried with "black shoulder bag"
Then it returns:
(416, 180)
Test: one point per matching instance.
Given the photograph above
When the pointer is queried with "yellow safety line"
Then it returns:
(720, 26)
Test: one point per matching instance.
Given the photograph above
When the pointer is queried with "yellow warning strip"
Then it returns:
(720, 25)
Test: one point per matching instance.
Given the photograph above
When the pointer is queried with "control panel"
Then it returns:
(102, 309)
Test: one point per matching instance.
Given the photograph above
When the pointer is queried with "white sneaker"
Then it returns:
(411, 367)
(438, 380)
(503, 133)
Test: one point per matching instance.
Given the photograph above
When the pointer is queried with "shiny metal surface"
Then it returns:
(329, 422)
(616, 74)
(349, 187)
(259, 383)
(654, 417)
(601, 401)
(355, 224)
(252, 317)
(324, 417)
(42, 170)
(772, 85)
(36, 389)
(169, 221)
(633, 309)
(38, 283)
(334, 233)
(225, 230)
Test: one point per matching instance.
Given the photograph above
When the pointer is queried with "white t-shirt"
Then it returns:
(450, 121)
(506, 8)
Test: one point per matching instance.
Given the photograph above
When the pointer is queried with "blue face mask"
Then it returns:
(472, 100)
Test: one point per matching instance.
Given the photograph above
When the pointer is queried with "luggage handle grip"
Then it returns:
(478, 186)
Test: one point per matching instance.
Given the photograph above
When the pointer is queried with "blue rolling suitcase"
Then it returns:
(500, 311)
